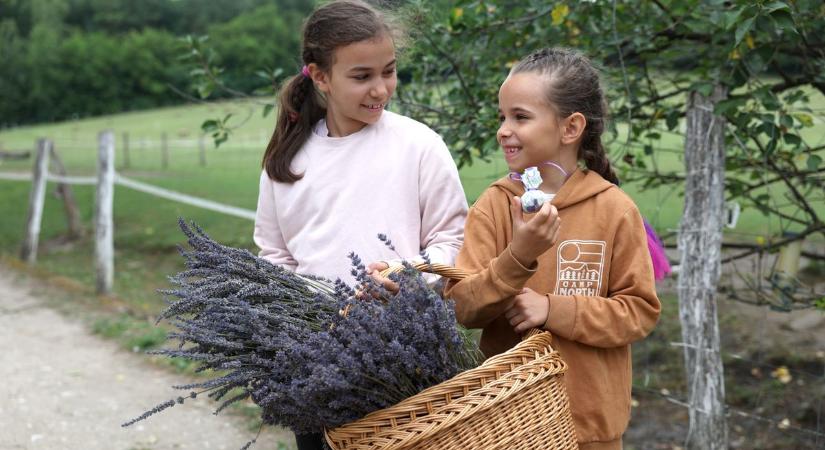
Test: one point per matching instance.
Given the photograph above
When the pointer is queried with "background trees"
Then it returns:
(76, 58)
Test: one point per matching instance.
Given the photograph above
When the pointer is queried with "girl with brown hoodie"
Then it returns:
(579, 267)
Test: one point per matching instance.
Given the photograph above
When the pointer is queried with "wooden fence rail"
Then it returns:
(104, 182)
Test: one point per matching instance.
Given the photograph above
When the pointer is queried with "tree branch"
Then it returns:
(658, 98)
(739, 245)
(523, 19)
(815, 228)
(776, 212)
(666, 11)
(456, 70)
(797, 195)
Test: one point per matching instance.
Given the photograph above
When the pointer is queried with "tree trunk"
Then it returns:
(700, 243)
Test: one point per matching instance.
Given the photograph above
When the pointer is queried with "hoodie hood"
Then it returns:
(582, 185)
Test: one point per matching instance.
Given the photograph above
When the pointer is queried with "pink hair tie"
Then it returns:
(305, 71)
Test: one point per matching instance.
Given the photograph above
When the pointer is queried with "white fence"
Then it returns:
(105, 180)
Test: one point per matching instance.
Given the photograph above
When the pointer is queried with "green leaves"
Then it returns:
(268, 108)
(703, 87)
(776, 6)
(218, 129)
(813, 163)
(741, 29)
(672, 119)
(805, 119)
(560, 11)
(730, 106)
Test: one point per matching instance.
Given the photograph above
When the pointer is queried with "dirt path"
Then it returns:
(63, 388)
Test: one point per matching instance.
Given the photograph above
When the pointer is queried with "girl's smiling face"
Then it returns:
(530, 132)
(359, 84)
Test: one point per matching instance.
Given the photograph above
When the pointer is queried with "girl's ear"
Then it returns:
(573, 128)
(319, 77)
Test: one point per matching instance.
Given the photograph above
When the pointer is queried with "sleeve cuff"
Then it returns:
(510, 271)
(561, 320)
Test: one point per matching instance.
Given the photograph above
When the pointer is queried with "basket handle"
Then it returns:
(452, 273)
(436, 268)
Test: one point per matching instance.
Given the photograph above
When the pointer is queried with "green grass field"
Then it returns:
(146, 232)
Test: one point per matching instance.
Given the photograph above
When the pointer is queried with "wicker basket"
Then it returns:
(514, 401)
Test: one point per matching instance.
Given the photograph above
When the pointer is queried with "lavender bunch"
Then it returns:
(305, 349)
(371, 358)
(216, 272)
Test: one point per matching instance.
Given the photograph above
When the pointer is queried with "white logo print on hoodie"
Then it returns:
(580, 265)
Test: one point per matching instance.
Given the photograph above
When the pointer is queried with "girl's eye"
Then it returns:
(389, 72)
(521, 117)
(500, 119)
(363, 77)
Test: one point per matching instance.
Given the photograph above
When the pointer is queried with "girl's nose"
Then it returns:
(503, 132)
(379, 90)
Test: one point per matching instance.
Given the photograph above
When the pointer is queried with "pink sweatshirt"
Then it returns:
(395, 177)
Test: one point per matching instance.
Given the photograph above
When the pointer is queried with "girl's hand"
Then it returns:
(374, 270)
(535, 236)
(529, 310)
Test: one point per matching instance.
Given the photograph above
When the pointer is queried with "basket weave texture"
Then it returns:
(514, 401)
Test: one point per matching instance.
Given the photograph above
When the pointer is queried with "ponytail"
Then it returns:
(593, 154)
(300, 108)
(597, 161)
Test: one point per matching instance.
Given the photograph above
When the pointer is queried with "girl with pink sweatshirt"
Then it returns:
(340, 169)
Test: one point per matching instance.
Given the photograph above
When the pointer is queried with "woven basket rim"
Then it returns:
(542, 354)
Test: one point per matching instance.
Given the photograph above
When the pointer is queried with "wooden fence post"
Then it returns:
(700, 242)
(104, 223)
(37, 196)
(202, 150)
(64, 190)
(164, 150)
(126, 161)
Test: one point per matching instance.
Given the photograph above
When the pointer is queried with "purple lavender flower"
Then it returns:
(303, 348)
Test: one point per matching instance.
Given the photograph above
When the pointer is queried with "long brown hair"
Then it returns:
(330, 26)
(573, 85)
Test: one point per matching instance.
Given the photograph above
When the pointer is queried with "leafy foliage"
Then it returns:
(65, 59)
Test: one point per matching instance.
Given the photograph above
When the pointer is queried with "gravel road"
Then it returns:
(63, 388)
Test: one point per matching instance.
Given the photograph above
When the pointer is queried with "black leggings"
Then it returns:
(310, 441)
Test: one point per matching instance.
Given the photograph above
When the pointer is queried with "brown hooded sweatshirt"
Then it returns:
(598, 279)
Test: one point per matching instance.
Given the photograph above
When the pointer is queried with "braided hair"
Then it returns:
(573, 85)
